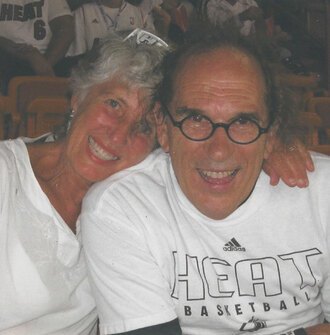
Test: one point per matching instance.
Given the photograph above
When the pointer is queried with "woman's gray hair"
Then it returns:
(137, 65)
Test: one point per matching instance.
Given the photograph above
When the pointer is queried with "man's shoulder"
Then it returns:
(319, 157)
(132, 179)
(321, 163)
(319, 179)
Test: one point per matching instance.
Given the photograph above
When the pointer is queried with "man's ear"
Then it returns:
(162, 127)
(272, 140)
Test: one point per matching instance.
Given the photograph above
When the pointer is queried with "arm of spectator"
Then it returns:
(253, 13)
(162, 20)
(62, 28)
(15, 49)
(29, 54)
(39, 63)
(289, 163)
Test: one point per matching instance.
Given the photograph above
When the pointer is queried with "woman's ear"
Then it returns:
(161, 127)
(157, 114)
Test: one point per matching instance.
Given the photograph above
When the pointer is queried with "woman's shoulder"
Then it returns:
(12, 153)
(321, 162)
(9, 149)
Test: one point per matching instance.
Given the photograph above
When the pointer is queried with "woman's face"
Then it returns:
(109, 131)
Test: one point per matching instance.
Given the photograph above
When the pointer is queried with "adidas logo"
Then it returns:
(233, 245)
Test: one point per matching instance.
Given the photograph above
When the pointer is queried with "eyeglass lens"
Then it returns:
(241, 130)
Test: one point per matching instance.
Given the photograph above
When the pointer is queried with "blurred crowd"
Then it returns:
(49, 37)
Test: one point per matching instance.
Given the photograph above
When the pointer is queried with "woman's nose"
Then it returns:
(120, 135)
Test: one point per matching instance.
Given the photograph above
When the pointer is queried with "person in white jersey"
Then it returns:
(95, 20)
(244, 14)
(34, 36)
(194, 240)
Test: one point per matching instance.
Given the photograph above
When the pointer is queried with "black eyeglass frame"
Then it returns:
(215, 126)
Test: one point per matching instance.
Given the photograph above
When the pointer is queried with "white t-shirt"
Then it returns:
(94, 21)
(220, 11)
(27, 21)
(43, 281)
(152, 256)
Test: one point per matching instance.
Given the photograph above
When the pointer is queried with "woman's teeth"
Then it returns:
(99, 152)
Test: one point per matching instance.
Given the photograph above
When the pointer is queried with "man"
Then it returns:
(196, 241)
(34, 36)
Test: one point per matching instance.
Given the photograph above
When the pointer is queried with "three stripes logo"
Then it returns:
(233, 245)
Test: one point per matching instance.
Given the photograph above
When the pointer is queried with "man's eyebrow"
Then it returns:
(251, 115)
(248, 115)
(187, 110)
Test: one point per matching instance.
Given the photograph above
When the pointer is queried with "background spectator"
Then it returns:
(95, 20)
(34, 37)
(244, 14)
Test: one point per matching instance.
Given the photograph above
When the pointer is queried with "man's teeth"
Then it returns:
(100, 152)
(218, 175)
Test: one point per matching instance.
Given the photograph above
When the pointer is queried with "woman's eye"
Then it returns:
(112, 103)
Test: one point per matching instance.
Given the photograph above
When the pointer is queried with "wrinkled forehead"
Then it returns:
(220, 79)
(224, 63)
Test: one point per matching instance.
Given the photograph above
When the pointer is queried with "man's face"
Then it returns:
(217, 175)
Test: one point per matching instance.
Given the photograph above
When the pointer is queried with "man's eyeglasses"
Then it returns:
(145, 37)
(197, 127)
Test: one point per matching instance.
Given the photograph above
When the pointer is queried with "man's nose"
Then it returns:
(219, 145)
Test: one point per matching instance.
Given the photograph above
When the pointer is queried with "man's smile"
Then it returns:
(218, 177)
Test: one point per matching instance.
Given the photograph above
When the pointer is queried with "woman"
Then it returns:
(43, 283)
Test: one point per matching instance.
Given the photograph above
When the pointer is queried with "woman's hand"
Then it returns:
(289, 163)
